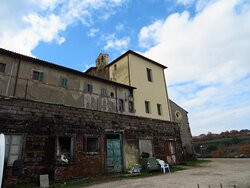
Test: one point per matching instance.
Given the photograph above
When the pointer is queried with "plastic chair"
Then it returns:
(163, 165)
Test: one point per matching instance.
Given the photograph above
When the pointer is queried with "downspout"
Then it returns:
(116, 98)
(8, 85)
(17, 74)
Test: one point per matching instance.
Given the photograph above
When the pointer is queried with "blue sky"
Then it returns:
(204, 43)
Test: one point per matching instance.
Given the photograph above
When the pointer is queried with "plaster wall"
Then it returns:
(51, 90)
(131, 70)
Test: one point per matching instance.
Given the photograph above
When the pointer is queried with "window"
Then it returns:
(104, 92)
(13, 149)
(92, 145)
(112, 94)
(131, 106)
(178, 115)
(64, 150)
(147, 107)
(149, 74)
(115, 67)
(145, 147)
(159, 110)
(130, 94)
(121, 105)
(2, 67)
(64, 82)
(88, 88)
(38, 75)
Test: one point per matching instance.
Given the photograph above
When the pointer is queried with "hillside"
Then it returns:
(231, 144)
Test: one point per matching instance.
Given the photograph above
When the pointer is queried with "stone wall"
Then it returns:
(181, 116)
(41, 123)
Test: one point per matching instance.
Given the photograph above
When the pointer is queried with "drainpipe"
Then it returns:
(17, 74)
(116, 98)
(8, 85)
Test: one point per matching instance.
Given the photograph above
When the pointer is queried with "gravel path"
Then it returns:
(229, 172)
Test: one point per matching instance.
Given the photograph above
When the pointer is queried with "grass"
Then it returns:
(113, 177)
(197, 162)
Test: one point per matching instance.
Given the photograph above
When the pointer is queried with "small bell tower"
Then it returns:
(101, 61)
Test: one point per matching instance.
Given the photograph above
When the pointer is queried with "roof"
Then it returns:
(90, 69)
(138, 55)
(52, 65)
(178, 105)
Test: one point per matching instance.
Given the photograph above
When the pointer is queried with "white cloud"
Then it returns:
(149, 34)
(92, 32)
(34, 21)
(114, 43)
(208, 59)
(185, 2)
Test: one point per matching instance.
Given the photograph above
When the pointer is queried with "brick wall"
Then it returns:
(42, 122)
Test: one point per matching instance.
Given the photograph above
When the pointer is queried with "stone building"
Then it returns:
(71, 124)
(180, 116)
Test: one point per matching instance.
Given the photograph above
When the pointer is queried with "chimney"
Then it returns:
(102, 61)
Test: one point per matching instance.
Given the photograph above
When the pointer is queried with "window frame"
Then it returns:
(39, 77)
(159, 109)
(86, 144)
(149, 74)
(2, 67)
(72, 148)
(131, 109)
(64, 82)
(147, 107)
(121, 105)
(104, 92)
(7, 152)
(88, 88)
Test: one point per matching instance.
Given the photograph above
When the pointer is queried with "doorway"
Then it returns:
(114, 153)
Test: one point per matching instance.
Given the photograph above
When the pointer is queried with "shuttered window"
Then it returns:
(64, 82)
(38, 75)
(88, 88)
(104, 92)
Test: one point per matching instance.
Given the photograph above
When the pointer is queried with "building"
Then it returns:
(29, 78)
(146, 75)
(71, 124)
(180, 116)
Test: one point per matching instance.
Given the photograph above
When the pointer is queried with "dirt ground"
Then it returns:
(228, 172)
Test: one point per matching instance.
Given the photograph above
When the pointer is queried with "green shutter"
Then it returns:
(41, 76)
(64, 82)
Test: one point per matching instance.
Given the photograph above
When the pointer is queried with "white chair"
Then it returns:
(163, 165)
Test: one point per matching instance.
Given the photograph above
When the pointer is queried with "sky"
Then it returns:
(204, 43)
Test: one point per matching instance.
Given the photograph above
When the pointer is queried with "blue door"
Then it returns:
(114, 154)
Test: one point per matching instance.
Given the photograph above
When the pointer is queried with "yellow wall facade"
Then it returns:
(132, 70)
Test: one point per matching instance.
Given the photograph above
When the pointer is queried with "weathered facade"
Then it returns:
(29, 78)
(180, 116)
(71, 124)
(87, 135)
